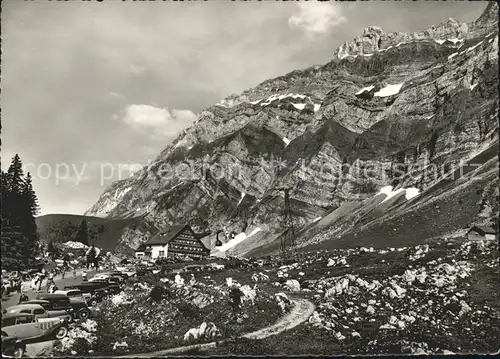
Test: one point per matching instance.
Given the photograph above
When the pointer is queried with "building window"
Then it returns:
(161, 253)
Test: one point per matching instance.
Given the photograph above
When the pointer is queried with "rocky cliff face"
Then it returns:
(334, 133)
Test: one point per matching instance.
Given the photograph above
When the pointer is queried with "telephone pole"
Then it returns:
(288, 236)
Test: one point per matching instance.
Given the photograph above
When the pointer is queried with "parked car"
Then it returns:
(28, 327)
(53, 309)
(97, 296)
(74, 294)
(109, 285)
(36, 309)
(128, 270)
(100, 276)
(12, 347)
(117, 273)
(89, 287)
(80, 308)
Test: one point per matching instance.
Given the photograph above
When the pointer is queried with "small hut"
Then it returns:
(478, 233)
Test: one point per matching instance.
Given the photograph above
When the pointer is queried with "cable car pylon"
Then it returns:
(288, 236)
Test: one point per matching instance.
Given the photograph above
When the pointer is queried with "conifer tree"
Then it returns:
(30, 210)
(19, 208)
(82, 235)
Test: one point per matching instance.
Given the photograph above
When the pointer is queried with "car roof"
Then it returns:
(10, 315)
(51, 295)
(24, 306)
(36, 301)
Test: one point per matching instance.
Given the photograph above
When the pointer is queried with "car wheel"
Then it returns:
(19, 351)
(62, 332)
(93, 303)
(84, 314)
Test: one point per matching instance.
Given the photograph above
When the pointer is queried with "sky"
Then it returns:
(93, 90)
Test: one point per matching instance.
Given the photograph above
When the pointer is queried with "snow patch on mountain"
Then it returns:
(409, 192)
(238, 239)
(453, 40)
(281, 97)
(452, 55)
(299, 106)
(316, 107)
(473, 47)
(286, 140)
(473, 86)
(389, 90)
(241, 199)
(367, 89)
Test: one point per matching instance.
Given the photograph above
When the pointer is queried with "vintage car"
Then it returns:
(80, 308)
(12, 347)
(28, 328)
(117, 273)
(100, 276)
(53, 309)
(130, 271)
(89, 287)
(36, 309)
(74, 294)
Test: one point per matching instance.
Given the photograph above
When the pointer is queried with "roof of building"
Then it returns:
(483, 230)
(166, 235)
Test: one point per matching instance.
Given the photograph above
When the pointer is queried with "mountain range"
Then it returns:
(394, 140)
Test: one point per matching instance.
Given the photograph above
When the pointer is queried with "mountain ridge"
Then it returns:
(395, 107)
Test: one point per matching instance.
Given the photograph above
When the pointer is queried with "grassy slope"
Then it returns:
(398, 222)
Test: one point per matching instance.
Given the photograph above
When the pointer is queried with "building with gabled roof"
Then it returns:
(177, 240)
(481, 233)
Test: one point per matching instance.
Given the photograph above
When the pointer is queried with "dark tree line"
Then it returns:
(20, 241)
(61, 232)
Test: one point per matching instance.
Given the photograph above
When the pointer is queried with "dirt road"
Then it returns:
(301, 312)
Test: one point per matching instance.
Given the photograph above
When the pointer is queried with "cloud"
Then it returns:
(317, 17)
(157, 122)
(138, 70)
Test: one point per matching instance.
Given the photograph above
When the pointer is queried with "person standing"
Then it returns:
(91, 254)
(33, 282)
(51, 277)
(39, 286)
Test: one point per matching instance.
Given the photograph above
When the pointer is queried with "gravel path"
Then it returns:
(301, 312)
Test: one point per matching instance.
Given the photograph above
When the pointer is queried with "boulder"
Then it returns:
(292, 285)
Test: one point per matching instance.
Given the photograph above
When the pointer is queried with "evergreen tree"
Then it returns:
(14, 245)
(30, 209)
(82, 235)
(14, 182)
(19, 208)
(30, 196)
(50, 247)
